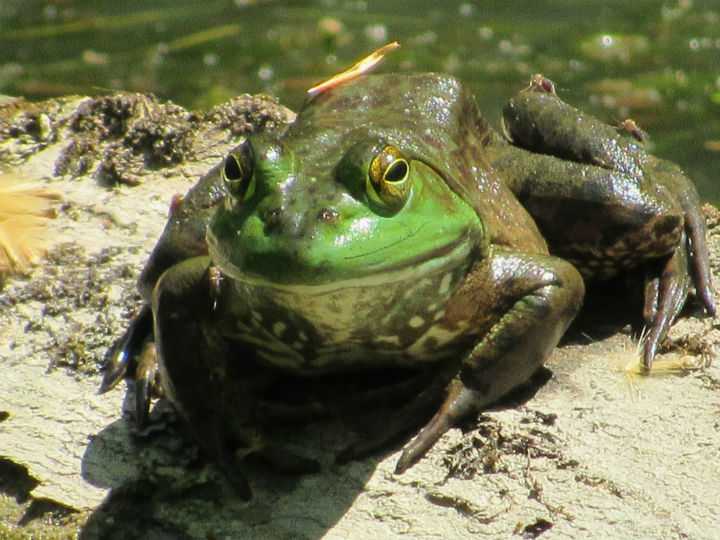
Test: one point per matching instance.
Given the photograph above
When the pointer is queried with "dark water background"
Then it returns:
(657, 62)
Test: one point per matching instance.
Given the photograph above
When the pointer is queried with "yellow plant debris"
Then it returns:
(25, 208)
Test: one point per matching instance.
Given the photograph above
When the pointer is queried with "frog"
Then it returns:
(389, 229)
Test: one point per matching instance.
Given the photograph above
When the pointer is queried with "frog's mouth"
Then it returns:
(368, 269)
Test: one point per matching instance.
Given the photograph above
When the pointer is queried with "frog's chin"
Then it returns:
(441, 259)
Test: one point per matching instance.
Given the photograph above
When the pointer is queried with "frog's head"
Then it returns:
(328, 206)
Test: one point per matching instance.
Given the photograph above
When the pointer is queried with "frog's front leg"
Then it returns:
(211, 379)
(183, 238)
(532, 299)
(192, 355)
(605, 204)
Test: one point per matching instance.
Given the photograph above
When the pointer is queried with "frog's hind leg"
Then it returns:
(605, 204)
(666, 288)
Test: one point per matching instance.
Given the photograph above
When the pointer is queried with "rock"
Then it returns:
(596, 451)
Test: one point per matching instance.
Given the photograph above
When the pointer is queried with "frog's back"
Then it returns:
(434, 119)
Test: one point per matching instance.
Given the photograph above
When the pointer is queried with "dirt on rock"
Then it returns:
(590, 449)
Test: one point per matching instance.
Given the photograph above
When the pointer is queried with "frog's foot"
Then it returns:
(668, 284)
(135, 354)
(124, 353)
(669, 281)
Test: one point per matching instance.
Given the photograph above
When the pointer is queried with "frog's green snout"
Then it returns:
(280, 221)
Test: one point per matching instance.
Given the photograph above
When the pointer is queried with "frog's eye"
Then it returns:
(237, 172)
(388, 180)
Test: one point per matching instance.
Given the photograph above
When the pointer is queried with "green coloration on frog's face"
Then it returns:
(323, 208)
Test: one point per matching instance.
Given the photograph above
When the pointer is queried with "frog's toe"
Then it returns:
(460, 403)
(122, 357)
(147, 383)
(698, 252)
(142, 402)
(114, 372)
(664, 298)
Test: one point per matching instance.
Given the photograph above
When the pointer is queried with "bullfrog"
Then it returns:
(390, 230)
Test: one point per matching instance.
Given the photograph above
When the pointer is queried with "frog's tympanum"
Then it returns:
(389, 229)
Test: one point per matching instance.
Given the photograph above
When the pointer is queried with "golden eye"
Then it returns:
(389, 178)
(237, 172)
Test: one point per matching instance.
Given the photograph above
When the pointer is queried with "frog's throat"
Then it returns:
(440, 259)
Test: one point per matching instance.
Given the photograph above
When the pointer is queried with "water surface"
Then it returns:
(656, 62)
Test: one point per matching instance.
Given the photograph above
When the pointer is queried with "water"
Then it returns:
(656, 62)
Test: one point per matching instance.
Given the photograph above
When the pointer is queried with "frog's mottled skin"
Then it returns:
(389, 228)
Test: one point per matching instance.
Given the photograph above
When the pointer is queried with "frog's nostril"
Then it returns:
(328, 215)
(272, 218)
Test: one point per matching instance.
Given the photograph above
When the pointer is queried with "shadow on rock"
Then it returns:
(164, 486)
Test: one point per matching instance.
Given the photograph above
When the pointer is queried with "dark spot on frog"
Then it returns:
(430, 344)
(668, 225)
(611, 235)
